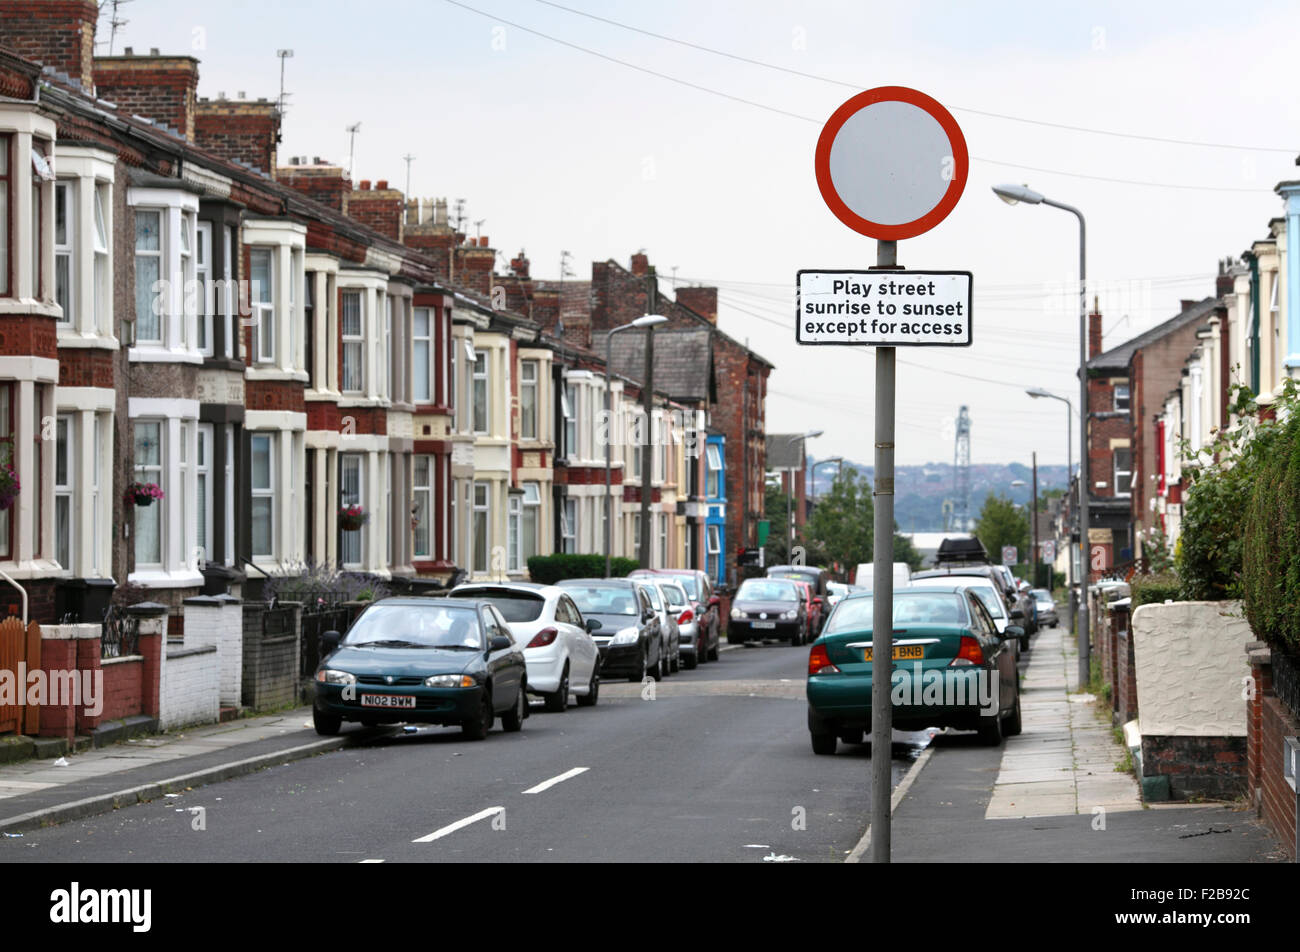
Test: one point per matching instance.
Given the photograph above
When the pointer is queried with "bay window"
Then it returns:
(83, 288)
(713, 475)
(351, 493)
(149, 469)
(530, 523)
(203, 301)
(480, 393)
(570, 411)
(64, 250)
(166, 311)
(148, 274)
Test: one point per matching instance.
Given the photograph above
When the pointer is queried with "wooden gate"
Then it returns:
(17, 647)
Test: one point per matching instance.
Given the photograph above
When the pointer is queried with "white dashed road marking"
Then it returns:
(460, 824)
(547, 784)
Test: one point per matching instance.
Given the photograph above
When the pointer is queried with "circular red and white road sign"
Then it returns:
(891, 163)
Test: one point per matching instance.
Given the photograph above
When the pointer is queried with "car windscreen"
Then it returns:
(423, 626)
(604, 599)
(652, 592)
(992, 601)
(514, 606)
(690, 583)
(1042, 594)
(675, 596)
(763, 590)
(910, 608)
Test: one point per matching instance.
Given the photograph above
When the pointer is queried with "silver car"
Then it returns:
(670, 656)
(1046, 607)
(679, 607)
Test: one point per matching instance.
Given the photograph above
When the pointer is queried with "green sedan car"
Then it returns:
(951, 669)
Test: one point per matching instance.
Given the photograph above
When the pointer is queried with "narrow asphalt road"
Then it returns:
(716, 767)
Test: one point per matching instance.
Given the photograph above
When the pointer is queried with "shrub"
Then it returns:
(314, 583)
(1271, 544)
(1222, 477)
(549, 569)
(1154, 589)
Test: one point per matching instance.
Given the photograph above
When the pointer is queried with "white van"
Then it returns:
(865, 578)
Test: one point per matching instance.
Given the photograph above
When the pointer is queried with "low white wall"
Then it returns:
(1191, 666)
(188, 693)
(219, 620)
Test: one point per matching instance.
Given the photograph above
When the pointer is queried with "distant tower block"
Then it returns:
(961, 518)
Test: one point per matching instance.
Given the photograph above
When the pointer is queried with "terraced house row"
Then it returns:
(270, 345)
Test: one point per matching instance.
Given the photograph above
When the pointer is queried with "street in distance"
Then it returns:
(884, 308)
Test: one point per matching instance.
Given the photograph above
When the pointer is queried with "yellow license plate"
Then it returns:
(902, 653)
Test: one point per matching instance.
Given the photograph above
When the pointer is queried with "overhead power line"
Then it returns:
(977, 112)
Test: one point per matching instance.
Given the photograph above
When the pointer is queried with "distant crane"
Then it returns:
(958, 519)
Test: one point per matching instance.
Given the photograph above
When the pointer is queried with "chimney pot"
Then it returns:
(483, 242)
(318, 161)
(153, 51)
(365, 185)
(382, 184)
(129, 51)
(240, 94)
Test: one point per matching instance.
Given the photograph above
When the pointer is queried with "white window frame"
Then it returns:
(160, 253)
(1128, 398)
(152, 473)
(66, 250)
(357, 536)
(514, 527)
(177, 211)
(65, 490)
(422, 383)
(261, 305)
(422, 497)
(532, 512)
(203, 300)
(203, 470)
(533, 387)
(480, 383)
(267, 491)
(353, 343)
(1126, 473)
(568, 524)
(481, 510)
(568, 397)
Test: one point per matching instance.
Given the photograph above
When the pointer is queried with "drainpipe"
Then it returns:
(22, 591)
(1251, 257)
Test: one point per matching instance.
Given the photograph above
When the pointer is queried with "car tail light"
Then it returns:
(685, 617)
(543, 638)
(969, 653)
(819, 661)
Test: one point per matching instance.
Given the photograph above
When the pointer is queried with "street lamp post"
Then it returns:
(650, 321)
(1040, 393)
(1011, 194)
(838, 460)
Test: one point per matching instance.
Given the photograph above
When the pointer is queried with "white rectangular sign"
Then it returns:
(884, 308)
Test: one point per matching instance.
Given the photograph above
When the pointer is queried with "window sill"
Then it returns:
(30, 569)
(161, 578)
(163, 355)
(70, 337)
(30, 306)
(361, 400)
(272, 372)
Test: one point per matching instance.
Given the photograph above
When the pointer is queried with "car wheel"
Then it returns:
(638, 678)
(852, 737)
(692, 660)
(713, 652)
(735, 638)
(990, 730)
(558, 700)
(476, 728)
(327, 725)
(593, 690)
(513, 719)
(677, 661)
(661, 667)
(824, 743)
(1011, 727)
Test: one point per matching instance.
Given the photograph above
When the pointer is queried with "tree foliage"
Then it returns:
(841, 528)
(1000, 524)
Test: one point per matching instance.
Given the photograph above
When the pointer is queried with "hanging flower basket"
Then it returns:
(142, 494)
(9, 486)
(352, 518)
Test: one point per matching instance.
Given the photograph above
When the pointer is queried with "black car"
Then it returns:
(445, 661)
(628, 636)
(767, 608)
(705, 611)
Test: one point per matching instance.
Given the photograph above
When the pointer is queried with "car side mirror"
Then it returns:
(329, 642)
(1013, 631)
(714, 601)
(499, 643)
(592, 624)
(818, 601)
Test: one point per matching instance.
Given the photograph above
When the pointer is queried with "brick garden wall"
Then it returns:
(1268, 721)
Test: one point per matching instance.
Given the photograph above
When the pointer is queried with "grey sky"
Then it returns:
(558, 149)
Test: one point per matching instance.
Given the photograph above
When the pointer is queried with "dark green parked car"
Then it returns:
(951, 669)
(446, 661)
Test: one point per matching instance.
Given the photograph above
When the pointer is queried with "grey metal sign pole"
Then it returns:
(882, 614)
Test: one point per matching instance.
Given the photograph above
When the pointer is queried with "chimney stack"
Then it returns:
(640, 264)
(703, 301)
(161, 88)
(247, 132)
(55, 33)
(1094, 331)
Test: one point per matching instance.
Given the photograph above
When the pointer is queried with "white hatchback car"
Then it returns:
(987, 594)
(561, 655)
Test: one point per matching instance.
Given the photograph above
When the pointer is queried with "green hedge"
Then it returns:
(1154, 589)
(1271, 544)
(549, 569)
